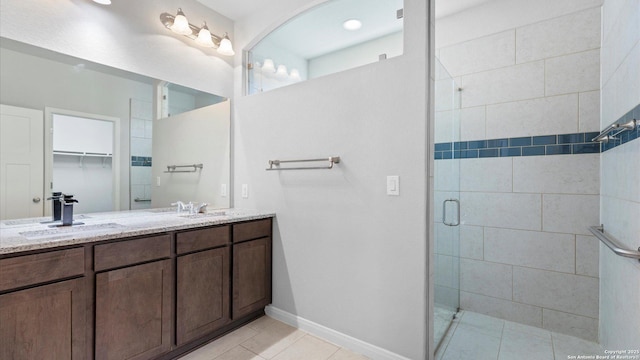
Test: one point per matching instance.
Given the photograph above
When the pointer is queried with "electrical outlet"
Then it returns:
(245, 191)
(157, 180)
(223, 190)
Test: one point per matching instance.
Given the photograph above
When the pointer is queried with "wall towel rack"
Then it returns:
(612, 243)
(605, 135)
(332, 160)
(172, 168)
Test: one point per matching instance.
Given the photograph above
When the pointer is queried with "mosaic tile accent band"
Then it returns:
(563, 144)
(141, 161)
(560, 144)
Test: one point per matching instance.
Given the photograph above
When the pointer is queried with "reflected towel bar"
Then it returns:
(332, 160)
(612, 243)
(604, 135)
(172, 168)
(141, 200)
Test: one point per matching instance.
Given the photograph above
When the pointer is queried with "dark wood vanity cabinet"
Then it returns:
(43, 312)
(251, 267)
(133, 302)
(151, 297)
(202, 282)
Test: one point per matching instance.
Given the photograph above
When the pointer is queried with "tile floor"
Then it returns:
(266, 338)
(472, 336)
(481, 337)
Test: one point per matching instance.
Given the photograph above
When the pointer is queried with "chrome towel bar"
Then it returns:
(172, 168)
(332, 160)
(604, 135)
(612, 243)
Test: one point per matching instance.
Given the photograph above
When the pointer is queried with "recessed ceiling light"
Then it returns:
(352, 24)
(103, 2)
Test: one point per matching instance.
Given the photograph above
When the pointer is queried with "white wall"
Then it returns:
(527, 255)
(346, 255)
(358, 55)
(620, 176)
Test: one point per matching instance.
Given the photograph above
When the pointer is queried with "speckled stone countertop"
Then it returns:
(29, 234)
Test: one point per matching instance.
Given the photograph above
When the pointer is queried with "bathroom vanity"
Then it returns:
(130, 285)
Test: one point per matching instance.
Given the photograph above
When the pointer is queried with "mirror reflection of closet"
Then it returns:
(83, 153)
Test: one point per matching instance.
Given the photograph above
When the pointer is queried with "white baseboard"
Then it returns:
(338, 338)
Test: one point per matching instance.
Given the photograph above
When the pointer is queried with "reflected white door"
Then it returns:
(21, 162)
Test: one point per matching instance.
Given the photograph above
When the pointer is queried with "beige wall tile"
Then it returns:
(571, 214)
(573, 73)
(487, 174)
(587, 255)
(513, 83)
(501, 308)
(559, 36)
(542, 116)
(481, 54)
(570, 324)
(515, 211)
(561, 174)
(546, 251)
(481, 277)
(564, 292)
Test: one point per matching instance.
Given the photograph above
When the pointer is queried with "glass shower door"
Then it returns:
(446, 202)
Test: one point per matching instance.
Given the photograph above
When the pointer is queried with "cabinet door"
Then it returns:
(251, 276)
(202, 293)
(45, 322)
(133, 311)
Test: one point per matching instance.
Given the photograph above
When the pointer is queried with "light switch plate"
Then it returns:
(245, 191)
(223, 190)
(393, 185)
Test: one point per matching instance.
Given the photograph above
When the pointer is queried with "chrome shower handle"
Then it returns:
(444, 212)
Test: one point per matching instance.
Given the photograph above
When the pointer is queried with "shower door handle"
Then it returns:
(444, 212)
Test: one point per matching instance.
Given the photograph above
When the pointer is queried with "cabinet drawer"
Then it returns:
(202, 239)
(251, 230)
(129, 252)
(39, 268)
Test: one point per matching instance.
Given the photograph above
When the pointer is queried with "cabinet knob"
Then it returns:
(36, 199)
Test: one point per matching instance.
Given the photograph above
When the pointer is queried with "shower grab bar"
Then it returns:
(604, 135)
(444, 212)
(332, 160)
(612, 243)
(172, 168)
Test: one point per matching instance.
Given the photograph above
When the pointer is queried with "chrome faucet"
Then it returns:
(180, 206)
(202, 208)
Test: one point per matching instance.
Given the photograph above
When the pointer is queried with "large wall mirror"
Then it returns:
(334, 36)
(111, 138)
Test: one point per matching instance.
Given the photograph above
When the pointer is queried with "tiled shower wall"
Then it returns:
(620, 176)
(141, 134)
(526, 253)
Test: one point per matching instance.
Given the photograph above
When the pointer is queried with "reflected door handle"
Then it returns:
(444, 212)
(36, 199)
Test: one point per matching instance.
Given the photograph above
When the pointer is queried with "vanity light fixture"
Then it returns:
(282, 73)
(201, 35)
(268, 67)
(352, 24)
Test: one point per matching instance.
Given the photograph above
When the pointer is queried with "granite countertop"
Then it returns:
(29, 234)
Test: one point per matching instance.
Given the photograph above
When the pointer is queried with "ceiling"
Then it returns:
(238, 9)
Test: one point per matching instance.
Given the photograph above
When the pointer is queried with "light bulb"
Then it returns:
(204, 37)
(268, 68)
(295, 75)
(281, 73)
(181, 24)
(225, 47)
